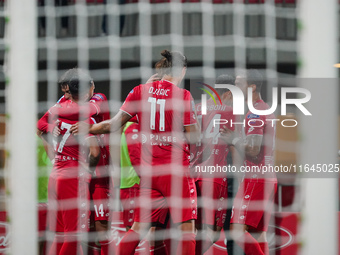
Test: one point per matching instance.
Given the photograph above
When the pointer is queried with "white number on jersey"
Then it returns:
(213, 132)
(99, 210)
(153, 102)
(65, 136)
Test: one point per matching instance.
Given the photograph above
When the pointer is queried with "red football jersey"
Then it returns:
(213, 151)
(44, 124)
(162, 110)
(133, 142)
(98, 108)
(66, 145)
(102, 168)
(261, 125)
(99, 102)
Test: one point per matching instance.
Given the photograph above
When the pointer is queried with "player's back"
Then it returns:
(162, 110)
(212, 150)
(164, 107)
(100, 101)
(67, 146)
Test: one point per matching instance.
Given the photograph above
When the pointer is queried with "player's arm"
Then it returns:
(192, 128)
(192, 133)
(250, 147)
(236, 156)
(103, 127)
(48, 148)
(153, 78)
(93, 152)
(43, 124)
(43, 127)
(127, 111)
(73, 113)
(111, 125)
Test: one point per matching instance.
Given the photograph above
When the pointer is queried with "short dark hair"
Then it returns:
(172, 63)
(254, 77)
(73, 78)
(224, 79)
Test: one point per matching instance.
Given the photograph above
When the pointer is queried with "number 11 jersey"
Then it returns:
(162, 110)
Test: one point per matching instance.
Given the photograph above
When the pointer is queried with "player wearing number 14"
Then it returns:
(164, 111)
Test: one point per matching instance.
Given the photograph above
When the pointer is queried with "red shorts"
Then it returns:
(158, 195)
(100, 198)
(68, 200)
(213, 202)
(253, 203)
(128, 198)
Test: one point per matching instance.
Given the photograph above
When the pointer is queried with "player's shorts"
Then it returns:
(167, 193)
(128, 199)
(213, 207)
(253, 203)
(100, 199)
(68, 200)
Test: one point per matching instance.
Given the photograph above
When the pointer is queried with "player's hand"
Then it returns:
(80, 127)
(227, 135)
(56, 130)
(40, 133)
(153, 78)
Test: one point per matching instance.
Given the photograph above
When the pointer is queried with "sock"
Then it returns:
(202, 246)
(187, 244)
(198, 248)
(144, 249)
(264, 248)
(55, 248)
(206, 245)
(56, 245)
(249, 245)
(71, 248)
(159, 250)
(105, 249)
(129, 243)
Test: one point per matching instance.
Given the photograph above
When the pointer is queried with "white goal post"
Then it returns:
(21, 106)
(319, 52)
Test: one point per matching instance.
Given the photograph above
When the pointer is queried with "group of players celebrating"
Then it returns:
(164, 136)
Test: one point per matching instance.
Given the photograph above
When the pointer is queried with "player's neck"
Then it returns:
(171, 79)
(256, 97)
(74, 100)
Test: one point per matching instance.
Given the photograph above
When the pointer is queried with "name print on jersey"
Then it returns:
(161, 92)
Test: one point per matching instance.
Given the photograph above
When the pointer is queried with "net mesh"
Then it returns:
(119, 42)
